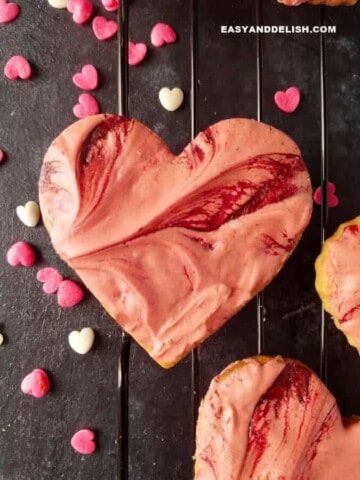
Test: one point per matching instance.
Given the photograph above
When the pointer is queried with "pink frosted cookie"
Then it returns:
(330, 3)
(213, 225)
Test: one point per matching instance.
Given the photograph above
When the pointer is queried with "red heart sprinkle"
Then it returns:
(69, 294)
(162, 33)
(110, 5)
(81, 10)
(36, 383)
(87, 105)
(137, 53)
(51, 279)
(87, 79)
(103, 28)
(21, 253)
(8, 11)
(83, 442)
(17, 67)
(333, 200)
(288, 101)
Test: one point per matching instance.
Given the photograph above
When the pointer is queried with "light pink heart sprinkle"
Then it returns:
(87, 79)
(137, 53)
(2, 155)
(36, 383)
(8, 11)
(83, 442)
(333, 200)
(110, 5)
(81, 10)
(87, 106)
(51, 279)
(103, 28)
(289, 100)
(162, 33)
(21, 253)
(69, 294)
(17, 67)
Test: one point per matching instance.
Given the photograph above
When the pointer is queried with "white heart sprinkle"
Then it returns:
(58, 3)
(29, 213)
(171, 99)
(81, 342)
(1, 339)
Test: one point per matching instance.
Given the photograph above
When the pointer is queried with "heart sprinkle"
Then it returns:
(171, 100)
(8, 11)
(2, 339)
(17, 67)
(87, 106)
(83, 442)
(81, 342)
(58, 3)
(21, 253)
(104, 29)
(2, 155)
(137, 53)
(29, 213)
(110, 5)
(333, 200)
(87, 79)
(162, 33)
(289, 100)
(51, 279)
(81, 10)
(69, 294)
(36, 383)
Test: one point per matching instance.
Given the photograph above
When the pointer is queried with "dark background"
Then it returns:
(35, 434)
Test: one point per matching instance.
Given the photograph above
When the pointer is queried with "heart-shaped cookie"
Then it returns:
(173, 246)
(271, 418)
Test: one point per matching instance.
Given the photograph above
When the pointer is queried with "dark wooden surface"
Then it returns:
(35, 434)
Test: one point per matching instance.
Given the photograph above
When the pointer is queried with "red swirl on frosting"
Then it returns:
(173, 246)
(271, 418)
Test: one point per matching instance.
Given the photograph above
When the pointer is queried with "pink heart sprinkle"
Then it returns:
(87, 105)
(87, 79)
(17, 67)
(83, 442)
(2, 155)
(36, 383)
(103, 28)
(8, 11)
(51, 279)
(333, 200)
(81, 10)
(162, 33)
(69, 294)
(21, 253)
(137, 53)
(110, 5)
(288, 101)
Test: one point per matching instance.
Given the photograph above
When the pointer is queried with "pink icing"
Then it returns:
(173, 246)
(275, 421)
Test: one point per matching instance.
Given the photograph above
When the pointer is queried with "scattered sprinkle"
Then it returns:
(81, 10)
(333, 200)
(2, 155)
(51, 279)
(83, 442)
(69, 294)
(137, 53)
(21, 253)
(58, 3)
(289, 100)
(2, 339)
(87, 105)
(36, 383)
(29, 213)
(87, 79)
(81, 342)
(162, 33)
(110, 5)
(104, 29)
(17, 67)
(171, 100)
(8, 11)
